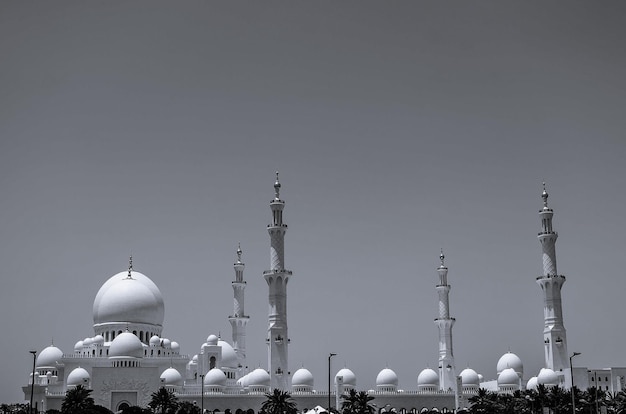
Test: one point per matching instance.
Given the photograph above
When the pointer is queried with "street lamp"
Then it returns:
(571, 375)
(329, 357)
(32, 385)
(201, 393)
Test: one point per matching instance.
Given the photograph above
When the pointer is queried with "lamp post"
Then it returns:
(201, 393)
(32, 385)
(329, 357)
(571, 375)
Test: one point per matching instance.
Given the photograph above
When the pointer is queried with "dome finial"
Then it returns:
(130, 266)
(441, 257)
(239, 252)
(544, 195)
(277, 188)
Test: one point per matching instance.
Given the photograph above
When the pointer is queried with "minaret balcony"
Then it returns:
(238, 317)
(277, 271)
(551, 277)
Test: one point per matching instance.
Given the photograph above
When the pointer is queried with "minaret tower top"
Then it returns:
(554, 337)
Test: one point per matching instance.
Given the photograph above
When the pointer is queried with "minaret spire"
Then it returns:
(238, 320)
(130, 266)
(554, 338)
(447, 370)
(277, 278)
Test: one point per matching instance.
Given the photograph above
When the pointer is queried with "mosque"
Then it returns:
(128, 358)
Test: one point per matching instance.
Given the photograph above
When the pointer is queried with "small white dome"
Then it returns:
(212, 340)
(155, 340)
(175, 346)
(126, 345)
(532, 384)
(229, 356)
(48, 357)
(98, 339)
(87, 341)
(386, 377)
(348, 377)
(428, 377)
(469, 377)
(78, 346)
(258, 377)
(78, 376)
(171, 376)
(508, 377)
(302, 377)
(547, 377)
(166, 343)
(195, 358)
(215, 377)
(510, 360)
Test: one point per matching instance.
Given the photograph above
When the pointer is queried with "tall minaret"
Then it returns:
(554, 339)
(239, 319)
(447, 371)
(277, 278)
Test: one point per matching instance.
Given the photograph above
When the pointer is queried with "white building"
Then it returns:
(128, 358)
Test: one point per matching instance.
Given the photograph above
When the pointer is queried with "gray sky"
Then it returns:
(398, 128)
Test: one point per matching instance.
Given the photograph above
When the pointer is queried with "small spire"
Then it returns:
(442, 257)
(130, 266)
(239, 253)
(544, 195)
(277, 188)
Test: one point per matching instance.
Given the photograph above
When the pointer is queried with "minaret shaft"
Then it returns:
(277, 278)
(554, 335)
(238, 320)
(447, 370)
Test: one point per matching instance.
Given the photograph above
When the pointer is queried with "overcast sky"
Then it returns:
(399, 128)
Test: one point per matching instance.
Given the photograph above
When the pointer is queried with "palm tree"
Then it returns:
(164, 400)
(357, 403)
(484, 402)
(187, 407)
(559, 400)
(77, 400)
(279, 402)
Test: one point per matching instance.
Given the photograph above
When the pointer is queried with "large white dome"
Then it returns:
(215, 377)
(386, 377)
(258, 377)
(122, 299)
(171, 376)
(469, 377)
(428, 377)
(508, 377)
(78, 376)
(510, 360)
(302, 377)
(48, 357)
(547, 377)
(348, 377)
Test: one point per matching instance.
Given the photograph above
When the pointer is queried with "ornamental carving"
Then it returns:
(124, 384)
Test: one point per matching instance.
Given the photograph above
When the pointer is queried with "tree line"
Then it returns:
(555, 400)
